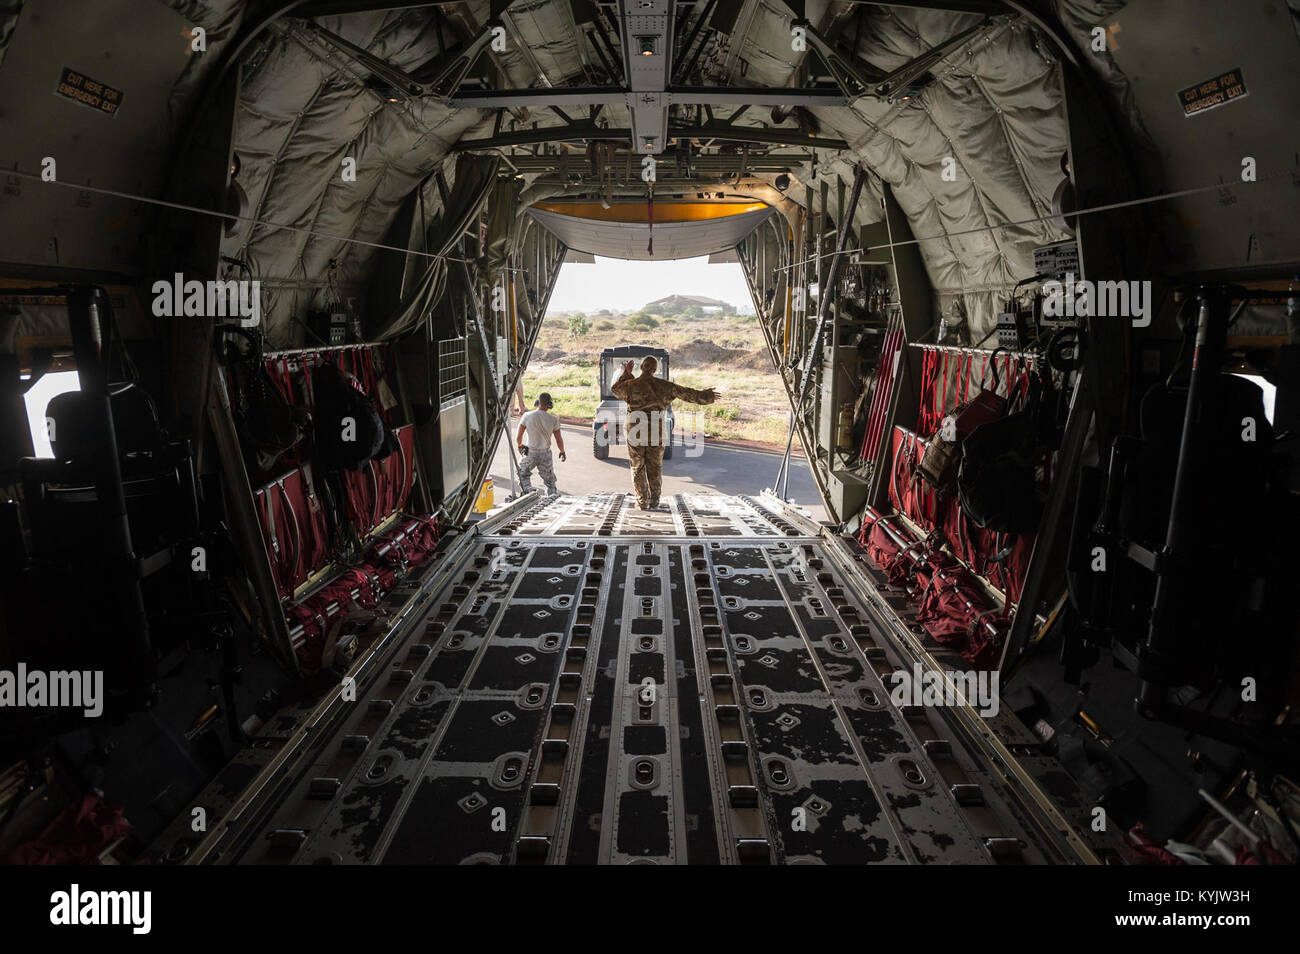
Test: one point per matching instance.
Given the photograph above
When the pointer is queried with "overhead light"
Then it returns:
(648, 141)
(646, 45)
(913, 89)
(384, 90)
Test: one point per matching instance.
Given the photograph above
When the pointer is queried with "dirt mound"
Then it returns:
(700, 352)
(550, 354)
(757, 361)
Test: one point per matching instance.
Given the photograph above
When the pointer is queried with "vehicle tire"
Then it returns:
(599, 449)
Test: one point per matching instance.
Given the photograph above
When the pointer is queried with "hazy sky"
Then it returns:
(614, 283)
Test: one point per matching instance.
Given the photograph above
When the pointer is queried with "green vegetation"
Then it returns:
(578, 325)
(570, 377)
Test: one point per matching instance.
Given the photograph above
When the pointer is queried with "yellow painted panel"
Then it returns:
(638, 212)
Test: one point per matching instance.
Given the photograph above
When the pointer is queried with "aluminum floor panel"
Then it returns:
(594, 683)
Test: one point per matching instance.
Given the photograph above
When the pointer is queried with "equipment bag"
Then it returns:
(349, 429)
(996, 482)
(942, 457)
(267, 424)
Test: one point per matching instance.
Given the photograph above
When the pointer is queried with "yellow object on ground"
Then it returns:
(485, 498)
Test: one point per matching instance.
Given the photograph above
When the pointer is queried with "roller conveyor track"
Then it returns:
(591, 683)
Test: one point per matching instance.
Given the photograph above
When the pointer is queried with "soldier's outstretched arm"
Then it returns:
(706, 396)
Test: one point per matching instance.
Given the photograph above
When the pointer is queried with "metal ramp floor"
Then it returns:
(591, 683)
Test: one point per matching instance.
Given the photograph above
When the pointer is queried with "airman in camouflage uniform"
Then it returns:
(648, 399)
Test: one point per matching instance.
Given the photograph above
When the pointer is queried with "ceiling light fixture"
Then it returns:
(384, 90)
(646, 44)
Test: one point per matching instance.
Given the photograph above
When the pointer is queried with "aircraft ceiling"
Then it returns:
(959, 114)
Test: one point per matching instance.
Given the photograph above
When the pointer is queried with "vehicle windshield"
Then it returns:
(612, 365)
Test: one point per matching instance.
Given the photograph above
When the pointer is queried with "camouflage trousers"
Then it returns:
(647, 472)
(541, 462)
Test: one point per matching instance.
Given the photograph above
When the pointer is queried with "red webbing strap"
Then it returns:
(940, 395)
(362, 511)
(267, 517)
(1018, 391)
(909, 499)
(399, 498)
(272, 366)
(317, 527)
(408, 464)
(296, 574)
(378, 375)
(900, 448)
(870, 517)
(377, 511)
(932, 395)
(78, 835)
(365, 373)
(308, 389)
(879, 411)
(927, 376)
(931, 496)
(927, 381)
(1000, 541)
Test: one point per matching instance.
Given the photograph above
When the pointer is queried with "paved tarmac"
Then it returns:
(718, 468)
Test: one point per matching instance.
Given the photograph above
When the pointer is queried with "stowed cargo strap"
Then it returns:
(364, 585)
